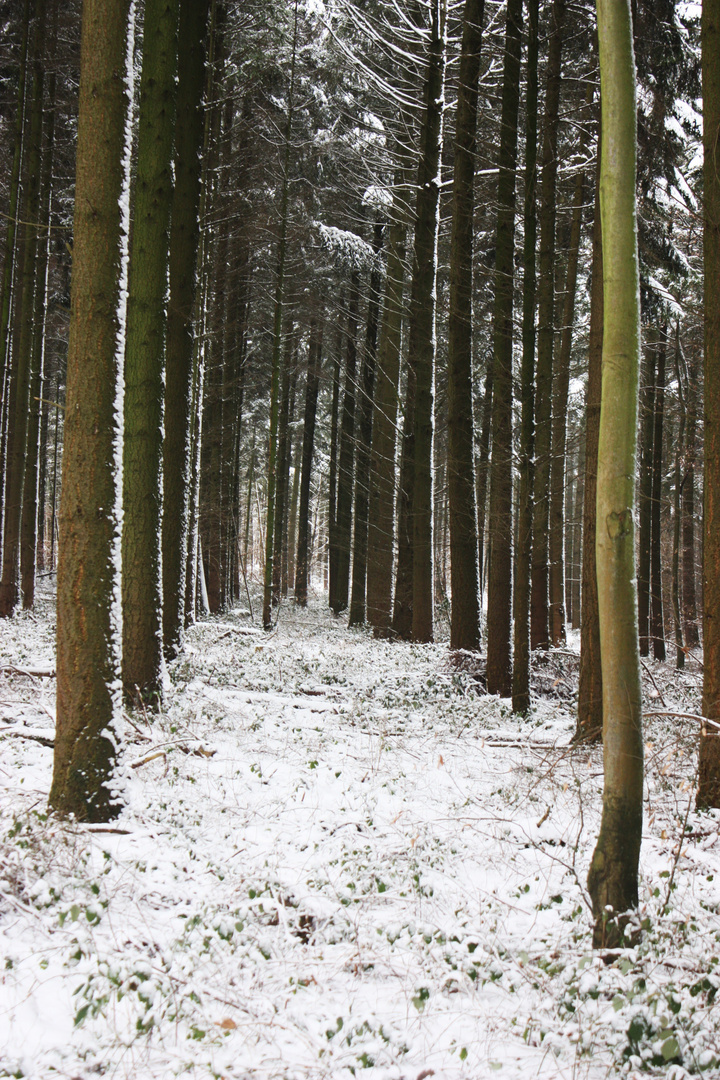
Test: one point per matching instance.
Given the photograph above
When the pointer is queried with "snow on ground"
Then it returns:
(340, 857)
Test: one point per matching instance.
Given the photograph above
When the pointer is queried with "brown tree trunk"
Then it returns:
(308, 443)
(539, 619)
(590, 717)
(499, 662)
(709, 784)
(645, 524)
(465, 584)
(657, 623)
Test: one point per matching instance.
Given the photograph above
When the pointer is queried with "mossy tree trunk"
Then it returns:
(613, 877)
(88, 734)
(709, 786)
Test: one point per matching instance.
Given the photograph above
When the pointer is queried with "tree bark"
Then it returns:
(657, 626)
(523, 549)
(539, 615)
(183, 282)
(689, 598)
(645, 531)
(590, 695)
(88, 730)
(144, 358)
(311, 395)
(499, 662)
(365, 426)
(709, 784)
(21, 369)
(464, 577)
(613, 880)
(422, 342)
(346, 456)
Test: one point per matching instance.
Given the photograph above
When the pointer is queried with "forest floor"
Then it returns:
(340, 857)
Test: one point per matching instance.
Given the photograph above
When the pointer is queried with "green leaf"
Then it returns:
(670, 1048)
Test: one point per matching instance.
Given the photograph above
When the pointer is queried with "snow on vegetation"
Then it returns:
(340, 858)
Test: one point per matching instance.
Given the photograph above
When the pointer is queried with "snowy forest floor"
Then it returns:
(340, 858)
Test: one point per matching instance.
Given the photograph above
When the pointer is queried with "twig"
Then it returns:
(652, 680)
(678, 850)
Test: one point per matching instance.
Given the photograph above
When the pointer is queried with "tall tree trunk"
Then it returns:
(29, 519)
(403, 605)
(144, 358)
(333, 471)
(21, 370)
(539, 624)
(9, 265)
(657, 625)
(381, 511)
(183, 281)
(365, 426)
(523, 549)
(465, 583)
(499, 663)
(483, 468)
(346, 457)
(277, 341)
(561, 383)
(689, 601)
(422, 341)
(590, 697)
(308, 443)
(677, 504)
(88, 731)
(613, 877)
(283, 463)
(709, 785)
(645, 524)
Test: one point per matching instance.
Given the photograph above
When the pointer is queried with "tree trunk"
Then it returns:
(183, 281)
(88, 731)
(523, 549)
(283, 464)
(561, 383)
(21, 369)
(365, 426)
(539, 616)
(465, 584)
(613, 877)
(709, 785)
(677, 504)
(346, 455)
(590, 696)
(308, 443)
(381, 511)
(657, 626)
(277, 343)
(29, 519)
(689, 601)
(144, 356)
(333, 471)
(422, 341)
(499, 663)
(646, 471)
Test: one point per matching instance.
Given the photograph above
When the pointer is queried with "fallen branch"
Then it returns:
(29, 735)
(685, 716)
(32, 673)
